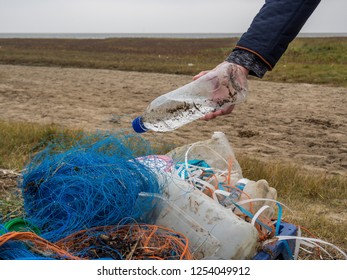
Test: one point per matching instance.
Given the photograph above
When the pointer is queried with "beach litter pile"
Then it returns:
(100, 199)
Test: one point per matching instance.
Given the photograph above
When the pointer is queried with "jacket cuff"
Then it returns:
(250, 61)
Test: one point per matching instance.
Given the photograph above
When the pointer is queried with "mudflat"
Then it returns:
(303, 124)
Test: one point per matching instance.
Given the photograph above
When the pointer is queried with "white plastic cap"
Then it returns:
(218, 134)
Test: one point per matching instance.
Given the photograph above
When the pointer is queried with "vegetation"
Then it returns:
(324, 197)
(308, 60)
(317, 200)
(20, 140)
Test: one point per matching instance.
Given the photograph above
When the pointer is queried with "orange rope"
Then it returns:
(145, 244)
(38, 241)
(230, 165)
(148, 241)
(208, 191)
(310, 233)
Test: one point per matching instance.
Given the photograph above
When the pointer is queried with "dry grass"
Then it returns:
(318, 201)
(20, 140)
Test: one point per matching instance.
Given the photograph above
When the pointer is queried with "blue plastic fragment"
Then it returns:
(282, 249)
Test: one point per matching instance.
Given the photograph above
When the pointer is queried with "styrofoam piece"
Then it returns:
(255, 190)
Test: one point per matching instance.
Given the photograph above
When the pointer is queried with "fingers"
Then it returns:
(202, 73)
(228, 110)
(218, 113)
(213, 115)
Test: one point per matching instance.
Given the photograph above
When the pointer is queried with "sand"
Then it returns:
(303, 124)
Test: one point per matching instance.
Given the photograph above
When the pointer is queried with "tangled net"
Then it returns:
(28, 245)
(73, 194)
(125, 242)
(130, 242)
(96, 182)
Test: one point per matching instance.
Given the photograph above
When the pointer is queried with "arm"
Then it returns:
(273, 28)
(259, 49)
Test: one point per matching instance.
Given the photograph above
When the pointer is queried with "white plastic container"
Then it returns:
(213, 231)
(237, 239)
(214, 91)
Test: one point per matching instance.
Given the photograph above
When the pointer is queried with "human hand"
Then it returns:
(237, 79)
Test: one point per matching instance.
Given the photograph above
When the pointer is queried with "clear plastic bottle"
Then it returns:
(218, 89)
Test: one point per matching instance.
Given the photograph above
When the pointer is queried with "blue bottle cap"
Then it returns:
(138, 125)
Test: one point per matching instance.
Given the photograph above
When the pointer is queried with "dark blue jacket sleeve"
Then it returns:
(273, 28)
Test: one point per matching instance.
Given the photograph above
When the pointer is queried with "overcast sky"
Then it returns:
(151, 16)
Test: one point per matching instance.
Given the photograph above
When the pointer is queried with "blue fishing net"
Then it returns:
(95, 182)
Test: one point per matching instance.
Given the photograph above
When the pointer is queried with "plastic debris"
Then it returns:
(98, 200)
